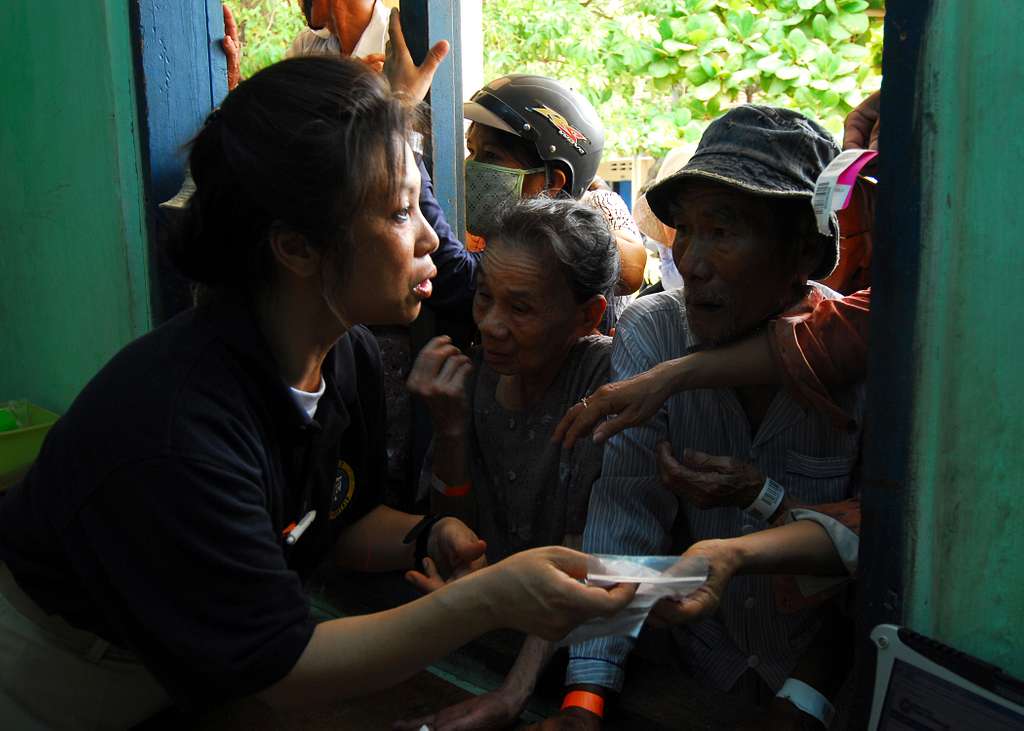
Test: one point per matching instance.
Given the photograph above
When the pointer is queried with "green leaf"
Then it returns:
(673, 46)
(844, 85)
(807, 4)
(788, 72)
(856, 23)
(708, 90)
(837, 31)
(744, 74)
(778, 86)
(746, 24)
(831, 5)
(682, 117)
(769, 64)
(852, 50)
(855, 6)
(820, 26)
(819, 84)
(799, 39)
(665, 29)
(660, 68)
(696, 75)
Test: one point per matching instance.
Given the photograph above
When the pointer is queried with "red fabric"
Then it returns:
(823, 349)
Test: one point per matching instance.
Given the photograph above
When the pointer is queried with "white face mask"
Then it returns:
(490, 189)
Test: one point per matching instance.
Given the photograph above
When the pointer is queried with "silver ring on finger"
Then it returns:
(584, 401)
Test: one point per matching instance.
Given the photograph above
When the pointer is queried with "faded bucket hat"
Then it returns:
(761, 150)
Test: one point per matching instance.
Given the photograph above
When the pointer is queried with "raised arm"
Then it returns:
(810, 354)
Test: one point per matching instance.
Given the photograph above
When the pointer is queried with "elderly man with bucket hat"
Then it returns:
(747, 246)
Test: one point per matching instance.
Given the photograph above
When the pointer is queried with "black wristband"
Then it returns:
(421, 534)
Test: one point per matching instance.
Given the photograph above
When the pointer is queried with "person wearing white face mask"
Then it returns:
(531, 135)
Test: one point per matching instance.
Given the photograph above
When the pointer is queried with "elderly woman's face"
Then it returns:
(527, 316)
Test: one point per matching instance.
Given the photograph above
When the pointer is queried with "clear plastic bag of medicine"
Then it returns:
(658, 577)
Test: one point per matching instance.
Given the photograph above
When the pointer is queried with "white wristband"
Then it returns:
(767, 501)
(808, 700)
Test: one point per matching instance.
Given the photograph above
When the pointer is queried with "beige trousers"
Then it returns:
(53, 676)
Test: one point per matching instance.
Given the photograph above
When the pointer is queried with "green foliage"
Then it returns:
(266, 29)
(659, 70)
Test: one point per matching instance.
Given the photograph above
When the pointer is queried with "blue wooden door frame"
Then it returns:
(181, 77)
(426, 22)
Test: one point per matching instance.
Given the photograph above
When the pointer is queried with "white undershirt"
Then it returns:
(318, 42)
(307, 400)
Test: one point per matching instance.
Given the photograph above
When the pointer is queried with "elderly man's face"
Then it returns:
(735, 272)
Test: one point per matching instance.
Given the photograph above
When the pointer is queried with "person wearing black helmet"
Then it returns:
(532, 135)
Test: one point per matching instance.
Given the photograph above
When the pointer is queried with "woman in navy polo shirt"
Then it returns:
(155, 550)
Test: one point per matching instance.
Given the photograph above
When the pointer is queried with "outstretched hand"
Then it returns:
(707, 481)
(615, 407)
(453, 550)
(703, 603)
(860, 130)
(404, 75)
(232, 48)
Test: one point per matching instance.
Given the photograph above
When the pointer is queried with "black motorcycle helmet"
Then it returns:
(561, 123)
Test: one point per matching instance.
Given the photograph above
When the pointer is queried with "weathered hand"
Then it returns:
(860, 130)
(404, 75)
(453, 550)
(625, 404)
(494, 710)
(722, 564)
(439, 377)
(709, 482)
(232, 48)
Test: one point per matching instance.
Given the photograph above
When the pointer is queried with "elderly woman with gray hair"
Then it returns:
(546, 274)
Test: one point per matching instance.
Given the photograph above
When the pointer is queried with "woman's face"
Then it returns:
(527, 316)
(388, 275)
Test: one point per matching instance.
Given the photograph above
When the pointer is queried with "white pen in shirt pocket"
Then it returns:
(294, 532)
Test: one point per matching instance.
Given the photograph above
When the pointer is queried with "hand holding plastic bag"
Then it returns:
(659, 577)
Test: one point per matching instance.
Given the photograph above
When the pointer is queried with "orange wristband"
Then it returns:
(586, 700)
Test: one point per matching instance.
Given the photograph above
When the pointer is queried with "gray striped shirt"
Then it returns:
(631, 513)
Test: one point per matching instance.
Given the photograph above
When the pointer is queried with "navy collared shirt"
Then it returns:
(155, 513)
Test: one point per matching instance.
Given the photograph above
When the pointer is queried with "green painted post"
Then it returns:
(73, 265)
(964, 566)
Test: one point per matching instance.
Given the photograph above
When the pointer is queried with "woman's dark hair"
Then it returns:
(304, 145)
(575, 234)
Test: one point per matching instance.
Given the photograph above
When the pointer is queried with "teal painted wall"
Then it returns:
(73, 281)
(965, 563)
